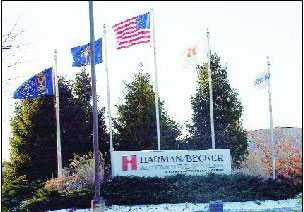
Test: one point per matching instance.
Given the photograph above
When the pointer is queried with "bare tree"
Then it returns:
(13, 42)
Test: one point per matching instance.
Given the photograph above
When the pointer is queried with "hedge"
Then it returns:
(175, 189)
(195, 189)
(49, 199)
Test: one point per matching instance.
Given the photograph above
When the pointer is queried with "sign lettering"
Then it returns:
(151, 163)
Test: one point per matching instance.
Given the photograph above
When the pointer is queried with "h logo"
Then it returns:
(126, 161)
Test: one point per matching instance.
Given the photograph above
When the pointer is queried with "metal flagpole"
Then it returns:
(98, 201)
(59, 159)
(156, 85)
(108, 98)
(271, 124)
(211, 98)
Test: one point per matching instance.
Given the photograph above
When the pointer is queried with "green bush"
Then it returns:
(196, 189)
(175, 189)
(51, 199)
(14, 191)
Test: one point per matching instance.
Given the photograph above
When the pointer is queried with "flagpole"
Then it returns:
(59, 158)
(98, 202)
(211, 96)
(271, 124)
(156, 86)
(108, 98)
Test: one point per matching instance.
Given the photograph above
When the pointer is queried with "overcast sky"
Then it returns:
(243, 34)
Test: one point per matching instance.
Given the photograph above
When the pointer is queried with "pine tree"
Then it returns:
(136, 122)
(82, 92)
(33, 141)
(227, 112)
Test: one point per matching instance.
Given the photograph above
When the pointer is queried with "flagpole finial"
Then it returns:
(55, 53)
(104, 29)
(268, 61)
(140, 64)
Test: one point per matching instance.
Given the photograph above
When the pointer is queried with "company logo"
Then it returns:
(126, 162)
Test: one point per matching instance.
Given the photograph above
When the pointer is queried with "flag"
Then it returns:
(262, 80)
(133, 31)
(82, 54)
(195, 55)
(39, 85)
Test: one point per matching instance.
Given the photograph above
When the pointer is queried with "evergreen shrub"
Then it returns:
(51, 199)
(195, 189)
(174, 189)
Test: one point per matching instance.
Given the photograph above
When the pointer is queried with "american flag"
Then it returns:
(133, 31)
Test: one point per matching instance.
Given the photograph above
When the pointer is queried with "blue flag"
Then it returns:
(82, 54)
(39, 85)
